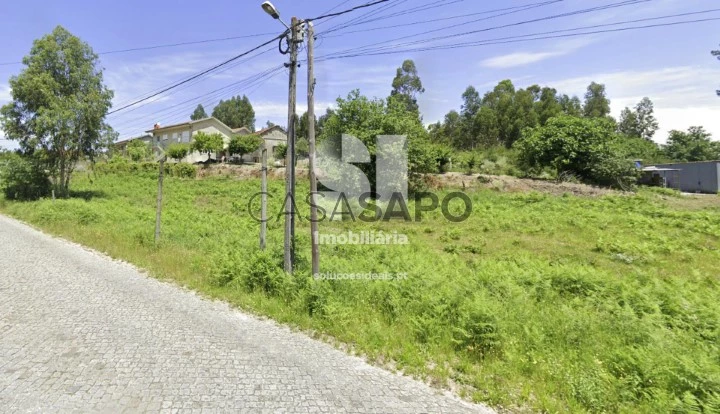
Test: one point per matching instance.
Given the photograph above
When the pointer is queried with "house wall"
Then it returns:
(272, 139)
(175, 135)
(702, 177)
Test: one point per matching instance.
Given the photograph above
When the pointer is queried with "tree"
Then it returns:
(449, 131)
(138, 150)
(693, 145)
(366, 118)
(587, 147)
(597, 105)
(280, 152)
(407, 85)
(514, 110)
(648, 125)
(59, 104)
(471, 103)
(199, 113)
(548, 105)
(571, 106)
(244, 144)
(640, 122)
(629, 125)
(486, 128)
(302, 126)
(209, 143)
(177, 151)
(237, 112)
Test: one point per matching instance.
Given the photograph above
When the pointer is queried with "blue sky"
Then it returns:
(671, 65)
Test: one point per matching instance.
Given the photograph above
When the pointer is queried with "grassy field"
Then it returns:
(537, 302)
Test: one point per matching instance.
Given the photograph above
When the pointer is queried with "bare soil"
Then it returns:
(502, 183)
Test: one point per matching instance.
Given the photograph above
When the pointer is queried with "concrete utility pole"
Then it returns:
(290, 156)
(311, 140)
(263, 200)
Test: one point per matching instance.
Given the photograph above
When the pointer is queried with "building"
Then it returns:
(273, 136)
(121, 146)
(182, 133)
(690, 177)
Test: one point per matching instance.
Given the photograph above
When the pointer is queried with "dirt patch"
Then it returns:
(246, 171)
(502, 183)
(513, 184)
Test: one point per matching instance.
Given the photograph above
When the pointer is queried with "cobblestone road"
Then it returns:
(82, 333)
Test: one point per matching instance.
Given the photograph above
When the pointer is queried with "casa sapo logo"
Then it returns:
(349, 196)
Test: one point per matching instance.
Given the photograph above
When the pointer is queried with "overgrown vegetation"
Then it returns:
(21, 178)
(244, 144)
(58, 108)
(559, 304)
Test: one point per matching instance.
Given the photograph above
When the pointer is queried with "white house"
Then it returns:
(183, 133)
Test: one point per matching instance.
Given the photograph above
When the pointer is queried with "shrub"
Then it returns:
(280, 152)
(178, 151)
(586, 147)
(184, 170)
(22, 179)
(138, 150)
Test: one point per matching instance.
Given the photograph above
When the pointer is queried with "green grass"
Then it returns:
(557, 304)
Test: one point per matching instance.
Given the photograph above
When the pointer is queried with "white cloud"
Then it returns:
(518, 59)
(525, 58)
(683, 96)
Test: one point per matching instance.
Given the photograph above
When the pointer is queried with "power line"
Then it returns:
(333, 8)
(523, 22)
(459, 16)
(279, 37)
(198, 75)
(367, 15)
(518, 39)
(412, 10)
(195, 82)
(209, 97)
(195, 42)
(362, 6)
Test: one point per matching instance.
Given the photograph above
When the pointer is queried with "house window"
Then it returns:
(186, 136)
(165, 137)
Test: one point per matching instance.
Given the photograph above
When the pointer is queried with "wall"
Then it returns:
(174, 135)
(702, 177)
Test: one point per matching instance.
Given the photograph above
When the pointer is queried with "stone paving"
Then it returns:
(80, 332)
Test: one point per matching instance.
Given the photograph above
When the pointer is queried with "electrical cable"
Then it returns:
(234, 58)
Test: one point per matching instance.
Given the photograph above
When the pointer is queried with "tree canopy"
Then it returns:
(585, 147)
(597, 104)
(198, 113)
(406, 86)
(237, 112)
(693, 145)
(138, 150)
(639, 122)
(58, 108)
(244, 144)
(209, 143)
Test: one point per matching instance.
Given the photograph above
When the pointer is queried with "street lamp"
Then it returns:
(272, 11)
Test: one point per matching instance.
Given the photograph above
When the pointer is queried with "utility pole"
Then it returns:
(290, 156)
(311, 140)
(158, 212)
(263, 200)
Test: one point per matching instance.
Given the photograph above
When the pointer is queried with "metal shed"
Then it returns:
(695, 177)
